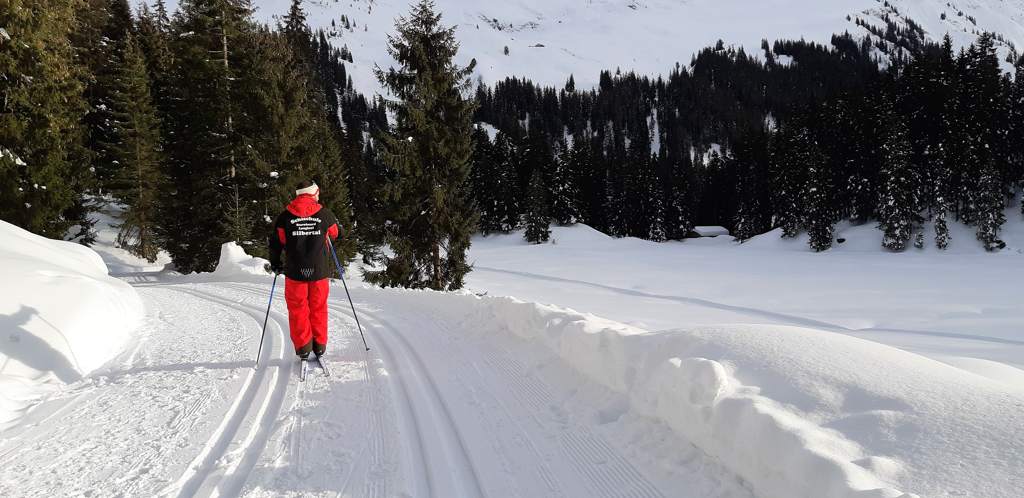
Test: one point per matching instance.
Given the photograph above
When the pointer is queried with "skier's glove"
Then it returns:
(276, 268)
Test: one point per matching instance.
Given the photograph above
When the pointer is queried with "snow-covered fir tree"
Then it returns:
(898, 207)
(989, 208)
(537, 219)
(820, 217)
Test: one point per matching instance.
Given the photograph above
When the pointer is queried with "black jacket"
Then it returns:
(301, 231)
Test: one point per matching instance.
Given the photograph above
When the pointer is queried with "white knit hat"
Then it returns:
(311, 190)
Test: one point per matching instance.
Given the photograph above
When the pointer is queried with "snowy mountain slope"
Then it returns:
(551, 39)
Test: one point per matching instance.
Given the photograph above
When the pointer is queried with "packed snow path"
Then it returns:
(431, 410)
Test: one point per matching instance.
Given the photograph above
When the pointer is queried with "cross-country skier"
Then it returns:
(301, 231)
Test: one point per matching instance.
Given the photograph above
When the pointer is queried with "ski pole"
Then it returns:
(341, 273)
(265, 319)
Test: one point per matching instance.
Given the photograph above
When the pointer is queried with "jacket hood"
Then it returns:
(304, 205)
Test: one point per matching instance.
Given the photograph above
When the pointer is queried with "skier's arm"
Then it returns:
(333, 231)
(276, 244)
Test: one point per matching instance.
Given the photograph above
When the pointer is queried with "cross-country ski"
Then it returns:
(468, 249)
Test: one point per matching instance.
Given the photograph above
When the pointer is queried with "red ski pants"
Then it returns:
(307, 310)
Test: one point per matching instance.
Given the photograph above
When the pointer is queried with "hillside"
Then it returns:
(547, 41)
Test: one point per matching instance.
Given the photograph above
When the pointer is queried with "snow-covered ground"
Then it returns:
(697, 368)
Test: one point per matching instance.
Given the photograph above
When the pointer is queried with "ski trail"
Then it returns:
(434, 449)
(224, 464)
(132, 426)
(339, 437)
(513, 435)
(477, 422)
(433, 418)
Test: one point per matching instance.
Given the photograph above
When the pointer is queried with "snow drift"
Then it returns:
(796, 412)
(61, 316)
(235, 262)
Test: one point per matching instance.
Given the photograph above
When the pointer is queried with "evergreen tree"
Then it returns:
(658, 232)
(153, 28)
(42, 173)
(1015, 133)
(941, 230)
(297, 32)
(820, 216)
(289, 139)
(205, 149)
(989, 209)
(752, 189)
(562, 184)
(508, 160)
(682, 196)
(99, 41)
(427, 154)
(537, 219)
(484, 180)
(136, 148)
(898, 208)
(794, 155)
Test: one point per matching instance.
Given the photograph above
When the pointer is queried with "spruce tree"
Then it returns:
(563, 190)
(1015, 132)
(898, 208)
(136, 148)
(153, 27)
(681, 197)
(99, 41)
(508, 207)
(537, 220)
(989, 209)
(482, 177)
(941, 230)
(206, 164)
(42, 173)
(820, 216)
(426, 153)
(794, 155)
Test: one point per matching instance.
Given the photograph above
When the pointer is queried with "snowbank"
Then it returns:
(710, 231)
(796, 412)
(61, 316)
(234, 262)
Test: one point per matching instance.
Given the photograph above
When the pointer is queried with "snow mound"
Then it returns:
(61, 317)
(235, 262)
(711, 231)
(796, 412)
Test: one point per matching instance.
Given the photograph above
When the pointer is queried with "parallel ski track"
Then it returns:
(607, 473)
(373, 456)
(254, 405)
(422, 412)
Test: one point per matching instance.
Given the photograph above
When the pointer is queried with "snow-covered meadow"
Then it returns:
(906, 367)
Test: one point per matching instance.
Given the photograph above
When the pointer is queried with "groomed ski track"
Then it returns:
(439, 407)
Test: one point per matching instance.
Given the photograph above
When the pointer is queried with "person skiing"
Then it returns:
(301, 232)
